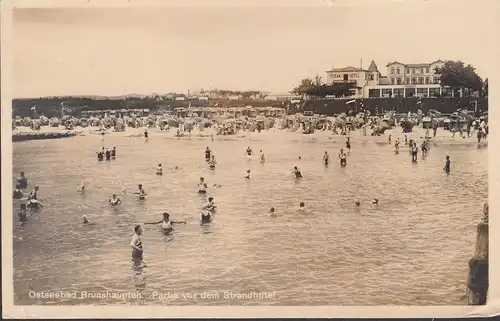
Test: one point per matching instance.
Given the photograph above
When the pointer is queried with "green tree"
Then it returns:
(457, 75)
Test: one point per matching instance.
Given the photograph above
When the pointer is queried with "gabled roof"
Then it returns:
(439, 60)
(346, 69)
(373, 66)
(395, 62)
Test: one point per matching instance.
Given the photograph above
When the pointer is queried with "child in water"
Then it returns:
(447, 168)
(302, 206)
(247, 176)
(272, 211)
(202, 186)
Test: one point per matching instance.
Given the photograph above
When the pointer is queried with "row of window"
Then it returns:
(397, 70)
(414, 80)
(340, 76)
(409, 92)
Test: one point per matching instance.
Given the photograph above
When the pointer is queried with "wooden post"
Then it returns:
(477, 280)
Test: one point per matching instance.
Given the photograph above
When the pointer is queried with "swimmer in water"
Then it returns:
(249, 151)
(100, 156)
(358, 203)
(272, 212)
(302, 206)
(85, 220)
(140, 192)
(447, 165)
(262, 157)
(343, 158)
(81, 189)
(22, 181)
(208, 154)
(159, 170)
(348, 143)
(207, 211)
(247, 176)
(166, 223)
(300, 157)
(217, 186)
(114, 200)
(23, 215)
(326, 159)
(202, 186)
(108, 155)
(212, 162)
(297, 172)
(136, 244)
(374, 201)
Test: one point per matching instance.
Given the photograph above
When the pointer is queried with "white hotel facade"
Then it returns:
(402, 80)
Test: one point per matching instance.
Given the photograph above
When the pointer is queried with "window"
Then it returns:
(398, 81)
(392, 70)
(422, 92)
(370, 77)
(413, 81)
(410, 92)
(420, 80)
(421, 70)
(427, 70)
(408, 71)
(397, 71)
(436, 80)
(374, 93)
(399, 92)
(386, 92)
(427, 80)
(392, 81)
(407, 80)
(434, 92)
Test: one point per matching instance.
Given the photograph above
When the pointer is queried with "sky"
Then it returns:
(117, 51)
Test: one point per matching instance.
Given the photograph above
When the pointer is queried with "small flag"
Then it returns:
(351, 101)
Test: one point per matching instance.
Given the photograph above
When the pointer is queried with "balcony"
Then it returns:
(341, 81)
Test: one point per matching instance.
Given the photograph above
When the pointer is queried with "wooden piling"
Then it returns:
(477, 280)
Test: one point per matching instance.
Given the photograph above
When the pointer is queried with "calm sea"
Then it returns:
(412, 249)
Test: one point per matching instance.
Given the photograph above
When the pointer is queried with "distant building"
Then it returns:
(402, 80)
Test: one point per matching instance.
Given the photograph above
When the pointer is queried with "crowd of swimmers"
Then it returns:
(208, 209)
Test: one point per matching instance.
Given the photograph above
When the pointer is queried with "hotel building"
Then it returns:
(402, 80)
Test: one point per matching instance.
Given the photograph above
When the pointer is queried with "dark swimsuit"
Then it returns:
(206, 218)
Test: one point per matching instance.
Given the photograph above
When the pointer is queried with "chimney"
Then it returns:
(361, 64)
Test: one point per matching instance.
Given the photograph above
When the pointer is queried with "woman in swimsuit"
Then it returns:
(159, 170)
(166, 223)
(114, 200)
(202, 186)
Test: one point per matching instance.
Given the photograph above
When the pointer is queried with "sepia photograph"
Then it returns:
(323, 155)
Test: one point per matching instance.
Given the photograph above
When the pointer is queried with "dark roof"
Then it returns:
(373, 66)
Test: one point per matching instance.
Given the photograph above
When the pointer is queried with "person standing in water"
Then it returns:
(297, 172)
(348, 143)
(326, 159)
(114, 200)
(202, 186)
(414, 152)
(146, 135)
(396, 145)
(23, 215)
(208, 154)
(390, 136)
(207, 210)
(113, 153)
(212, 163)
(343, 158)
(166, 223)
(140, 192)
(136, 244)
(108, 155)
(247, 176)
(22, 181)
(447, 165)
(159, 170)
(262, 157)
(272, 212)
(249, 151)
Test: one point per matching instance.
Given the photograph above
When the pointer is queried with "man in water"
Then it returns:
(343, 158)
(447, 165)
(22, 181)
(113, 152)
(326, 159)
(348, 143)
(159, 170)
(212, 162)
(146, 135)
(166, 223)
(208, 154)
(249, 151)
(140, 192)
(108, 155)
(207, 210)
(302, 206)
(23, 217)
(114, 200)
(297, 172)
(136, 244)
(396, 145)
(262, 157)
(247, 176)
(100, 156)
(202, 186)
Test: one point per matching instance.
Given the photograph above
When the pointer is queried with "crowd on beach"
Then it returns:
(31, 204)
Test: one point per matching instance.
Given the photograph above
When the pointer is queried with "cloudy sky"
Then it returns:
(123, 51)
